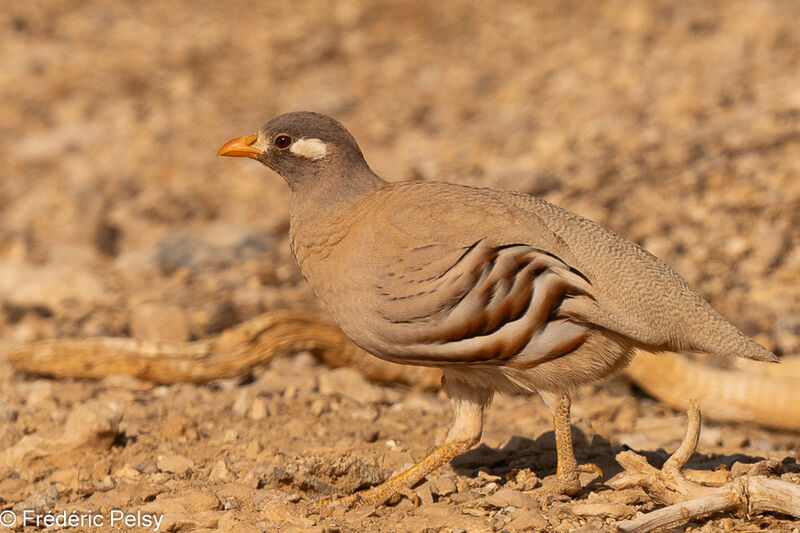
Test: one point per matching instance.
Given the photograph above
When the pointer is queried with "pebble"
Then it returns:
(509, 497)
(350, 383)
(443, 485)
(127, 472)
(109, 483)
(231, 503)
(320, 406)
(360, 513)
(253, 449)
(523, 480)
(220, 472)
(159, 322)
(174, 425)
(174, 464)
(147, 467)
(190, 501)
(258, 410)
(68, 478)
(49, 288)
(269, 383)
(51, 493)
(369, 434)
(290, 392)
(424, 493)
(92, 422)
(39, 392)
(242, 403)
(609, 510)
(365, 413)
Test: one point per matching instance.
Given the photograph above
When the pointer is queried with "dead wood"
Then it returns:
(686, 499)
(234, 352)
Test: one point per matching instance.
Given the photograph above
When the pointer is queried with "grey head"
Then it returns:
(313, 152)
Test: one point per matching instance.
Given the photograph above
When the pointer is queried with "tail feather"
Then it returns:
(759, 353)
(737, 344)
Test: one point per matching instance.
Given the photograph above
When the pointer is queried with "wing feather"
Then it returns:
(480, 304)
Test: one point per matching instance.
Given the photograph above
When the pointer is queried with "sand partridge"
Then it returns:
(501, 290)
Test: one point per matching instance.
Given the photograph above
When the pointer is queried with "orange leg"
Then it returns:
(468, 406)
(402, 482)
(568, 468)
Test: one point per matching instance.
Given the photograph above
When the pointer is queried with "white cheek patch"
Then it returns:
(261, 142)
(309, 148)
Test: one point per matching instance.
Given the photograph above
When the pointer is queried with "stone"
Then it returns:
(242, 403)
(159, 322)
(443, 485)
(173, 425)
(258, 409)
(50, 288)
(523, 480)
(127, 472)
(175, 464)
(190, 501)
(424, 493)
(269, 383)
(210, 245)
(39, 393)
(607, 510)
(509, 497)
(350, 383)
(220, 472)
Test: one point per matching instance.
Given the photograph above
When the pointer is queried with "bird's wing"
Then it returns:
(479, 304)
(518, 279)
(639, 296)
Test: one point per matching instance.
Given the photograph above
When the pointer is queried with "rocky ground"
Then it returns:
(676, 125)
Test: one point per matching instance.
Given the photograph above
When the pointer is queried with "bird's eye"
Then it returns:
(282, 142)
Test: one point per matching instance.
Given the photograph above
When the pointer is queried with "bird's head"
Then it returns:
(303, 147)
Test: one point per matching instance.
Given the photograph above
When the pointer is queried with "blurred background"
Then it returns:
(676, 124)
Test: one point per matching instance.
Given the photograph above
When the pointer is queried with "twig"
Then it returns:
(686, 499)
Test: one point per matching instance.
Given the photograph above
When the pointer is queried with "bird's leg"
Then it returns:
(468, 405)
(568, 468)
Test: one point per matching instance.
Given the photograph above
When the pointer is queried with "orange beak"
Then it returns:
(240, 147)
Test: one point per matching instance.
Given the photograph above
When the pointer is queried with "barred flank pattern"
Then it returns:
(481, 304)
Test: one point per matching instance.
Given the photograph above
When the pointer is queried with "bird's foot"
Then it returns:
(375, 496)
(400, 484)
(568, 482)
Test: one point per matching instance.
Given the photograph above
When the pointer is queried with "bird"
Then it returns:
(504, 291)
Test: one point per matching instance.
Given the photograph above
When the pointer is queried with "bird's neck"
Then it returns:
(332, 192)
(323, 205)
(320, 223)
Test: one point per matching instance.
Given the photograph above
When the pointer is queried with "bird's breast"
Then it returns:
(340, 269)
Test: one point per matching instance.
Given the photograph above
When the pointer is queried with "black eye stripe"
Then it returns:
(282, 141)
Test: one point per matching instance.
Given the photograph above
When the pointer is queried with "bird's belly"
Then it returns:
(602, 354)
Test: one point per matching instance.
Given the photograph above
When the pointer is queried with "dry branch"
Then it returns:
(757, 392)
(687, 499)
(232, 353)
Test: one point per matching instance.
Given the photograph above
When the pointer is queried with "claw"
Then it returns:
(590, 468)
